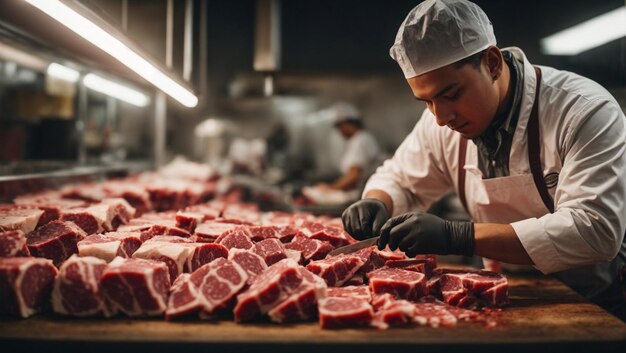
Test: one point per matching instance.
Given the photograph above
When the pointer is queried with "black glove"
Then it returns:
(424, 233)
(364, 219)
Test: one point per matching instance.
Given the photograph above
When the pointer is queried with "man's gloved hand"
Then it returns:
(364, 218)
(423, 233)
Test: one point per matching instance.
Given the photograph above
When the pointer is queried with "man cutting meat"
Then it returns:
(536, 155)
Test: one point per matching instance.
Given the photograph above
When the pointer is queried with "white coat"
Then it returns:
(583, 134)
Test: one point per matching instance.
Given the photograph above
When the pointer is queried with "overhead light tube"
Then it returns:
(63, 72)
(115, 90)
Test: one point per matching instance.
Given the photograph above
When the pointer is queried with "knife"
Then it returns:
(348, 249)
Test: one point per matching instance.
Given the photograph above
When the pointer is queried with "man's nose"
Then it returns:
(443, 115)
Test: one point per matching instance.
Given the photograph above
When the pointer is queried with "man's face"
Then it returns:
(465, 98)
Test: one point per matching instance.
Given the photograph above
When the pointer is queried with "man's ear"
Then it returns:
(494, 61)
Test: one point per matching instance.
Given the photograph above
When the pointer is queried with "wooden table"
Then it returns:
(544, 315)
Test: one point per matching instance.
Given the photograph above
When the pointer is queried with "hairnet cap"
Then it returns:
(437, 33)
(344, 112)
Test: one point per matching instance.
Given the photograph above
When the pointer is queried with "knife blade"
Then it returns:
(348, 249)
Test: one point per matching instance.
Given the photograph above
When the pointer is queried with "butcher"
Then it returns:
(537, 156)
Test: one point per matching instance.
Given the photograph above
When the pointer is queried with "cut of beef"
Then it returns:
(433, 314)
(374, 259)
(109, 245)
(344, 312)
(416, 265)
(210, 289)
(104, 216)
(237, 238)
(153, 224)
(295, 255)
(311, 249)
(246, 213)
(25, 285)
(50, 202)
(136, 287)
(470, 288)
(302, 304)
(210, 231)
(173, 254)
(359, 292)
(268, 289)
(337, 237)
(188, 220)
(55, 241)
(13, 243)
(392, 312)
(209, 210)
(134, 193)
(77, 290)
(402, 284)
(204, 253)
(252, 263)
(22, 218)
(271, 250)
(336, 270)
(259, 233)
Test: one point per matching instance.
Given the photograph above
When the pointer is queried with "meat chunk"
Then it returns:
(173, 254)
(77, 290)
(104, 216)
(209, 289)
(271, 250)
(210, 231)
(358, 292)
(344, 312)
(374, 259)
(392, 312)
(14, 217)
(302, 304)
(252, 263)
(204, 253)
(25, 285)
(337, 237)
(336, 270)
(259, 233)
(416, 265)
(56, 241)
(470, 288)
(107, 246)
(402, 284)
(136, 287)
(13, 243)
(50, 202)
(237, 238)
(268, 290)
(311, 249)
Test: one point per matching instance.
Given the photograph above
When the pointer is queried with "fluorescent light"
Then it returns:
(22, 58)
(114, 47)
(586, 35)
(63, 72)
(115, 90)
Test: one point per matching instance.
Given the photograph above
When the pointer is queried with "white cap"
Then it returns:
(344, 112)
(437, 33)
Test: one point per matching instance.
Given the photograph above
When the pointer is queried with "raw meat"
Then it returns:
(392, 312)
(109, 245)
(210, 231)
(416, 265)
(25, 285)
(55, 241)
(204, 253)
(173, 254)
(271, 250)
(359, 292)
(302, 304)
(344, 312)
(136, 287)
(295, 255)
(104, 216)
(470, 288)
(337, 237)
(336, 270)
(268, 290)
(259, 233)
(13, 243)
(237, 238)
(252, 263)
(311, 249)
(211, 288)
(188, 220)
(374, 259)
(22, 218)
(402, 284)
(50, 202)
(77, 290)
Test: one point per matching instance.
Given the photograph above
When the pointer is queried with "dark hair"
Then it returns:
(474, 60)
(358, 123)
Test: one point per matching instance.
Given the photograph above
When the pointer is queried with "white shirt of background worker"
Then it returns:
(564, 213)
(361, 154)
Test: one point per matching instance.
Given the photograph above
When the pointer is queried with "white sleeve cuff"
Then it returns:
(538, 245)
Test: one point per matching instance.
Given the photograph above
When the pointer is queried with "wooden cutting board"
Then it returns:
(544, 314)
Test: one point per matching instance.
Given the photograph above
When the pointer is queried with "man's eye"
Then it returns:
(453, 96)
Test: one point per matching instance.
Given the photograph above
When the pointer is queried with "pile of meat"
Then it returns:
(215, 259)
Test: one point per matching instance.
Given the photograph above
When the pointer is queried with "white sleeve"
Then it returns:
(355, 154)
(590, 213)
(414, 176)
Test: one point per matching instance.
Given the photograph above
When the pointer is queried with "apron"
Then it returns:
(509, 199)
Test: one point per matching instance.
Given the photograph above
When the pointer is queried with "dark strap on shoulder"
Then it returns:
(461, 172)
(534, 149)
